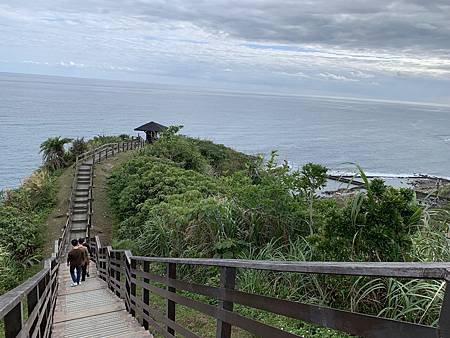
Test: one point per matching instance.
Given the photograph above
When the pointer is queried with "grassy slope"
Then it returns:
(102, 219)
(205, 326)
(57, 218)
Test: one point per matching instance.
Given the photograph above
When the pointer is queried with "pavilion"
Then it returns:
(152, 130)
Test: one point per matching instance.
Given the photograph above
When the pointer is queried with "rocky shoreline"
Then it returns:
(430, 190)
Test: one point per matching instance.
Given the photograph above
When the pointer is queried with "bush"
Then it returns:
(22, 214)
(182, 197)
(377, 225)
(79, 147)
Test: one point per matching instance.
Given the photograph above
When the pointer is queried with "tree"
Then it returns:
(53, 152)
(307, 181)
(79, 146)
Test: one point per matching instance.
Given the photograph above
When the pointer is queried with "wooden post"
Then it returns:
(171, 274)
(227, 281)
(146, 294)
(117, 277)
(32, 300)
(127, 291)
(109, 271)
(13, 321)
(444, 318)
(132, 288)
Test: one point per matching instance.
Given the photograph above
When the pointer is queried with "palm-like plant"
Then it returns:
(53, 152)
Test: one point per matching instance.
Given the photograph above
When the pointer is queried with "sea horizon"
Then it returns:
(407, 137)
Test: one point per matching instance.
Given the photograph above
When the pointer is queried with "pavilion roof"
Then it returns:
(151, 126)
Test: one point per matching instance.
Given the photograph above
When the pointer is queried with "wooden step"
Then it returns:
(80, 211)
(79, 207)
(81, 193)
(81, 199)
(78, 217)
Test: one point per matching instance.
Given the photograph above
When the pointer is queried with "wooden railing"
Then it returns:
(27, 310)
(110, 149)
(126, 273)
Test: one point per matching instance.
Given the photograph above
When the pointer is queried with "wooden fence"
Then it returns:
(27, 310)
(126, 273)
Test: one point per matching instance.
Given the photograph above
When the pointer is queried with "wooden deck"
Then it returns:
(91, 310)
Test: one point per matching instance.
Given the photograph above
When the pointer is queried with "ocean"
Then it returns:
(391, 138)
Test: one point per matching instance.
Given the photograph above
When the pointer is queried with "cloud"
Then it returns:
(363, 42)
(336, 77)
(347, 24)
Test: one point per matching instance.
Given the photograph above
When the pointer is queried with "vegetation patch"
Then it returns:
(184, 197)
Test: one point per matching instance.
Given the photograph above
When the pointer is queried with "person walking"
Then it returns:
(85, 265)
(75, 259)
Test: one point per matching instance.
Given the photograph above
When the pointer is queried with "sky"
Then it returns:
(395, 50)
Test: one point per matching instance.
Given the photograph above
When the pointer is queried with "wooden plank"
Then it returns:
(375, 269)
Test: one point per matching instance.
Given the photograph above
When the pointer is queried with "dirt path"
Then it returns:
(102, 219)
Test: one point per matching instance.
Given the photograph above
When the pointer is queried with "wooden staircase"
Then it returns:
(81, 201)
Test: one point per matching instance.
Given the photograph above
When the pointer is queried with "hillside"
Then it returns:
(183, 197)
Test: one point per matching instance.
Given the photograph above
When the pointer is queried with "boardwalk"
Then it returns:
(91, 310)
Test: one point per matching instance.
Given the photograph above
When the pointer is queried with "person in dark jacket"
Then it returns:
(85, 266)
(75, 259)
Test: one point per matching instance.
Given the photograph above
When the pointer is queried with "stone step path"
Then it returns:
(91, 310)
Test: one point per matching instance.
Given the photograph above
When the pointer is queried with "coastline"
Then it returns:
(433, 190)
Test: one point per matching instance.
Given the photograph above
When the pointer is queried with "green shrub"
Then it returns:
(182, 197)
(22, 216)
(377, 225)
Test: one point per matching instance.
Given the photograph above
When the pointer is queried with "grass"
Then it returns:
(102, 218)
(57, 217)
(205, 326)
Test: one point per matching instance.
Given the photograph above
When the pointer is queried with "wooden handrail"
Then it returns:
(113, 265)
(374, 269)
